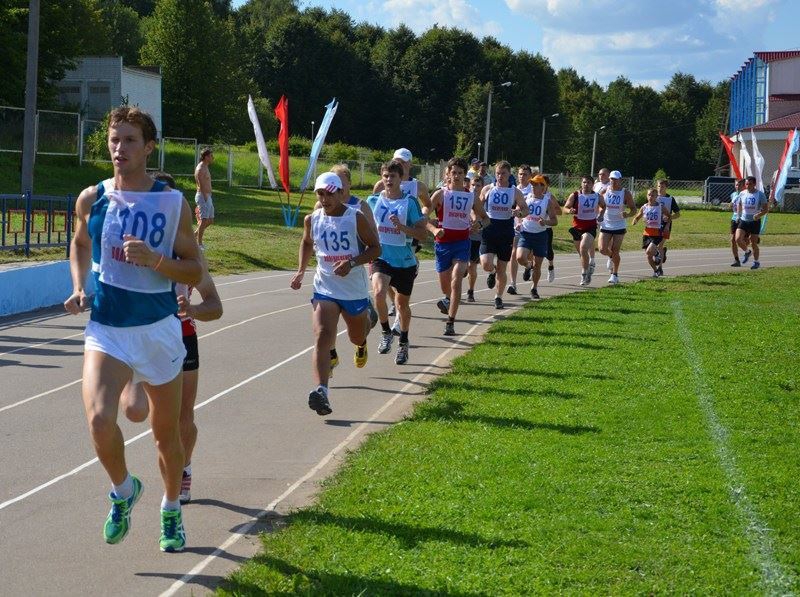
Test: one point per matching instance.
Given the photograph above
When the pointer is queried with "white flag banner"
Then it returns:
(758, 163)
(747, 163)
(263, 154)
(319, 140)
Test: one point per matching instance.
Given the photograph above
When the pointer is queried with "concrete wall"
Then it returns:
(143, 89)
(784, 77)
(36, 286)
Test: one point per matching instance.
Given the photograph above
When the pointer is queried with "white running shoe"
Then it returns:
(396, 326)
(614, 279)
(591, 267)
(655, 274)
(609, 264)
(551, 275)
(583, 279)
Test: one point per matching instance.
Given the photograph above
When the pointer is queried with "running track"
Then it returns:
(260, 448)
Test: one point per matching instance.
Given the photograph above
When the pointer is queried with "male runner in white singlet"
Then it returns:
(336, 232)
(542, 214)
(129, 228)
(502, 202)
(617, 206)
(584, 206)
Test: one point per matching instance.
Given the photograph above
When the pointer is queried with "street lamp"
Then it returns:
(489, 119)
(541, 151)
(594, 148)
(479, 150)
(312, 131)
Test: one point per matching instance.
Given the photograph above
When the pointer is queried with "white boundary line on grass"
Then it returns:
(247, 527)
(776, 580)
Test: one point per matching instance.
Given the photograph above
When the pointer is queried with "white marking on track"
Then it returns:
(776, 580)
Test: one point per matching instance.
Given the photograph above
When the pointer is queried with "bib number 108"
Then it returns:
(140, 226)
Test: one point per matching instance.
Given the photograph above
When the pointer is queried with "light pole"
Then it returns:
(31, 74)
(312, 143)
(479, 150)
(594, 148)
(489, 119)
(541, 151)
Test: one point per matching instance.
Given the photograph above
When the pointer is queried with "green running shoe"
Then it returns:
(118, 522)
(173, 537)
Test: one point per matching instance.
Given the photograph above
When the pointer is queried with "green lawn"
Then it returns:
(570, 452)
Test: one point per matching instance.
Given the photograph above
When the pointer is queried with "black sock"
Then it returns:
(385, 327)
(333, 353)
(403, 337)
(451, 320)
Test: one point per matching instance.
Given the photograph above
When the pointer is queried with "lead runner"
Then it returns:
(131, 229)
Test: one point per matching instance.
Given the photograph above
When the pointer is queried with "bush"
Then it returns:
(660, 173)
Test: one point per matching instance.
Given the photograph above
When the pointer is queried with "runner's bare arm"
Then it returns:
(378, 187)
(570, 203)
(432, 225)
(519, 201)
(210, 308)
(630, 204)
(666, 215)
(638, 216)
(368, 233)
(304, 256)
(424, 197)
(367, 211)
(481, 217)
(553, 209)
(80, 252)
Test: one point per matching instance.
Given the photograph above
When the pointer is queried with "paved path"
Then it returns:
(260, 447)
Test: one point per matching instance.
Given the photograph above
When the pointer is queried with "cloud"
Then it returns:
(420, 15)
(643, 39)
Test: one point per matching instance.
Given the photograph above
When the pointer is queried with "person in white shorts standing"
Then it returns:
(130, 228)
(336, 232)
(617, 205)
(204, 211)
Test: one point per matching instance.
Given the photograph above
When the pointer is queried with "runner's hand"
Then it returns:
(342, 268)
(77, 302)
(137, 252)
(297, 281)
(185, 308)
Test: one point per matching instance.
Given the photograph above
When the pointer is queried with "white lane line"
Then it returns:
(30, 346)
(245, 529)
(776, 580)
(21, 402)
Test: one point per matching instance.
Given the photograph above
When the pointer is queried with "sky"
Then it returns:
(646, 41)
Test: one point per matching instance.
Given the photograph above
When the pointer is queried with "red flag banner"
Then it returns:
(282, 114)
(728, 144)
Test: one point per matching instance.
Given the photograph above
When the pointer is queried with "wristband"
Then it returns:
(157, 265)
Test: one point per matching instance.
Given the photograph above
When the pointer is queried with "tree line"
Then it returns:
(395, 88)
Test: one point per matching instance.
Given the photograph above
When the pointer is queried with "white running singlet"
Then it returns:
(500, 202)
(456, 208)
(587, 206)
(652, 216)
(615, 204)
(537, 209)
(336, 240)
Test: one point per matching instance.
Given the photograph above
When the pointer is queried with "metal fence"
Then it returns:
(38, 221)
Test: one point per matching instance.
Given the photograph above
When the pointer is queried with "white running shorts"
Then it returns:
(155, 351)
(205, 207)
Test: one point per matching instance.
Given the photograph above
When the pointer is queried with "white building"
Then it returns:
(99, 83)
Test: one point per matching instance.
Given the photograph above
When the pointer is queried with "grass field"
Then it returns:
(632, 440)
(249, 232)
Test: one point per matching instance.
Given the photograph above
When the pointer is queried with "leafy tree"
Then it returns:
(124, 33)
(67, 29)
(203, 88)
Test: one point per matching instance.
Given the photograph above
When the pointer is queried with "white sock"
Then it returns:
(187, 470)
(323, 389)
(170, 505)
(125, 490)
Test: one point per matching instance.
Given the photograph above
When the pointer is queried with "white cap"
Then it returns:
(402, 154)
(615, 174)
(328, 181)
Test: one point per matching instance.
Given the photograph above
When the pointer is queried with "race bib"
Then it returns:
(456, 208)
(384, 209)
(151, 217)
